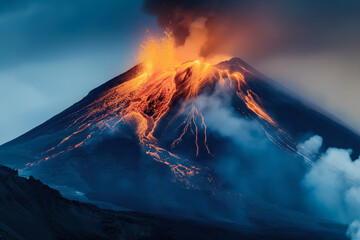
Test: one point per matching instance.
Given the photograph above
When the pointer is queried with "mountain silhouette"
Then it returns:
(160, 143)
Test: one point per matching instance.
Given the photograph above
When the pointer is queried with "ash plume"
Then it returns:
(252, 29)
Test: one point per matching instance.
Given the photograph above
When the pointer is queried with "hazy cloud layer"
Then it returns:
(277, 25)
(253, 164)
(310, 46)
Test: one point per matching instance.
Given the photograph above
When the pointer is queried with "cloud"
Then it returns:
(354, 230)
(334, 185)
(254, 165)
(250, 163)
(312, 145)
(226, 122)
(334, 188)
(250, 26)
(308, 46)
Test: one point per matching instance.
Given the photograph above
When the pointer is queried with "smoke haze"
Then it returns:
(334, 188)
(330, 189)
(311, 46)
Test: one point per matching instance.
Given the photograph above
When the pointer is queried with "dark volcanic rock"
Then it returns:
(32, 210)
(90, 149)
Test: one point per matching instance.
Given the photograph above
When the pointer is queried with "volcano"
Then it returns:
(159, 140)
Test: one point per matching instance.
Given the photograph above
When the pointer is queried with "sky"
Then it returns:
(52, 53)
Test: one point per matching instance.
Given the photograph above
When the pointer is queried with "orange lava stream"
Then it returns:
(145, 99)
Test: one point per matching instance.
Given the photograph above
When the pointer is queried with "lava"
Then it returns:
(145, 99)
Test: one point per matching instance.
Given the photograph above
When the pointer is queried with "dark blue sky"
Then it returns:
(52, 52)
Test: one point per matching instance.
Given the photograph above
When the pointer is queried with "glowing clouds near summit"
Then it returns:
(165, 80)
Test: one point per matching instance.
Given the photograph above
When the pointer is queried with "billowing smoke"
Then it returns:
(250, 162)
(334, 188)
(311, 146)
(226, 30)
(354, 230)
(254, 165)
(249, 29)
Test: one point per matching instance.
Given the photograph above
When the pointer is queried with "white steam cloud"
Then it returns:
(251, 163)
(311, 146)
(334, 186)
(354, 230)
(254, 165)
(223, 120)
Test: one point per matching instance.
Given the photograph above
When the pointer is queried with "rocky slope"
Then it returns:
(32, 210)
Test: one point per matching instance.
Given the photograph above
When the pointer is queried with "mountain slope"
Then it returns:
(291, 114)
(31, 210)
(161, 142)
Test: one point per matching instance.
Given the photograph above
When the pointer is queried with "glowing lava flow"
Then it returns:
(145, 99)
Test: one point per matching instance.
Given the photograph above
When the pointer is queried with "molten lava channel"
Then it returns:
(145, 99)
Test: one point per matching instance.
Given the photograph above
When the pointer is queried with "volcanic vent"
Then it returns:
(143, 137)
(159, 90)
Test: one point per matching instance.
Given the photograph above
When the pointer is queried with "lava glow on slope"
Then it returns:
(145, 99)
